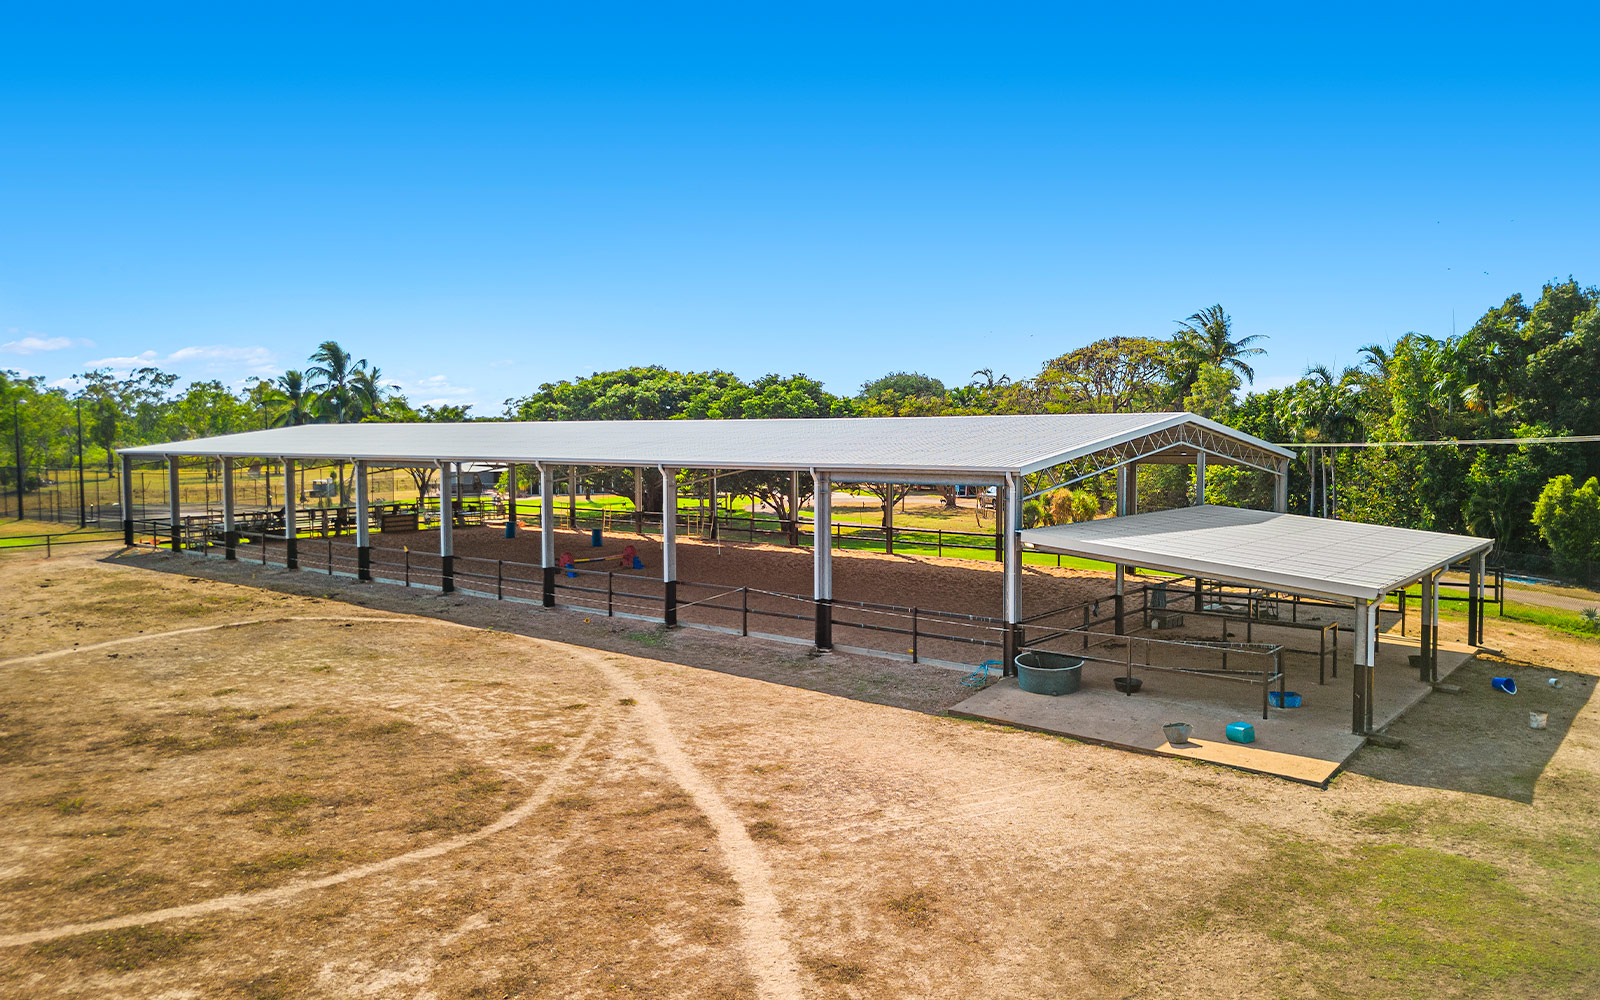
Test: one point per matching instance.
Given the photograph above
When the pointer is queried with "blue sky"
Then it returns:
(483, 202)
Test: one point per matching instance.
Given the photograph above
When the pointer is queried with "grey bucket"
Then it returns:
(1039, 672)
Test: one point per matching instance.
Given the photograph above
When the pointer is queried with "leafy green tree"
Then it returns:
(1114, 375)
(1568, 517)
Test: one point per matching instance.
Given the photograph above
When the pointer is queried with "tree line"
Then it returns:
(1524, 370)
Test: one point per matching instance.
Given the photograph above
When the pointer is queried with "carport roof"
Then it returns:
(929, 446)
(1307, 555)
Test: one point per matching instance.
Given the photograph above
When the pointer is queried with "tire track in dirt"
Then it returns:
(283, 893)
(17, 661)
(765, 939)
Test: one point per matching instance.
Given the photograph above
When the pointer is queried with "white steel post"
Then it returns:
(669, 546)
(1012, 638)
(1280, 487)
(1199, 478)
(125, 482)
(547, 533)
(291, 545)
(229, 538)
(363, 528)
(447, 518)
(822, 558)
(174, 517)
(511, 501)
(1365, 671)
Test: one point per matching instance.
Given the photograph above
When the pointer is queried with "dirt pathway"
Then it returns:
(765, 939)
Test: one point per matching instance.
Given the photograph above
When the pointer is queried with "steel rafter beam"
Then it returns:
(1201, 439)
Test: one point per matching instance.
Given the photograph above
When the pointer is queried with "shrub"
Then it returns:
(1568, 517)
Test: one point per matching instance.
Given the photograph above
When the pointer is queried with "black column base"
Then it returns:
(669, 610)
(824, 609)
(1010, 646)
(1361, 700)
(364, 563)
(291, 553)
(548, 598)
(177, 539)
(127, 531)
(230, 542)
(447, 573)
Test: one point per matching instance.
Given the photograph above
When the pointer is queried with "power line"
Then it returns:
(1574, 439)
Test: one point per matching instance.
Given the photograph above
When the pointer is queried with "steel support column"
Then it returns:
(447, 519)
(230, 537)
(363, 528)
(125, 485)
(1361, 697)
(174, 517)
(547, 534)
(1476, 602)
(1012, 637)
(1280, 487)
(1199, 478)
(669, 547)
(291, 549)
(1120, 622)
(822, 559)
(511, 501)
(794, 508)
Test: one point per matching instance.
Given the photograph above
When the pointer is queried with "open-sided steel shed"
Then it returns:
(1022, 456)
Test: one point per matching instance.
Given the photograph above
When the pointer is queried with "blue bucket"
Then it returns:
(1507, 685)
(1289, 699)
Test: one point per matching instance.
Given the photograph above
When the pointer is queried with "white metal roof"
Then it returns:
(991, 445)
(1307, 555)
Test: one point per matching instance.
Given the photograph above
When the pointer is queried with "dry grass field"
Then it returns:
(224, 781)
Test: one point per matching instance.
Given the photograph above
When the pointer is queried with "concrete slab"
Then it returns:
(1307, 744)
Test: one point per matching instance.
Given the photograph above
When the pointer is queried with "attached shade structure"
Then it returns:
(1344, 561)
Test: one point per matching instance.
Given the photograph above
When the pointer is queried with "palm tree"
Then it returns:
(1206, 338)
(334, 372)
(366, 393)
(1324, 408)
(293, 400)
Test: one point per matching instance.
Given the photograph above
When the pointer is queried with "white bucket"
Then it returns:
(1537, 720)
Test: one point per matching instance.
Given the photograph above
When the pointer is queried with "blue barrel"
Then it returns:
(594, 538)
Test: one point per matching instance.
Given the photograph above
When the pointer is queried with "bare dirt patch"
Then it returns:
(906, 854)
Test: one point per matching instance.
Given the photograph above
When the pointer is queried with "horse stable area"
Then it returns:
(1221, 619)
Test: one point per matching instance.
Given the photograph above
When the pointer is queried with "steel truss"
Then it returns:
(1201, 439)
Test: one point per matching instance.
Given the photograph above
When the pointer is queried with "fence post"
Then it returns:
(330, 555)
(744, 612)
(914, 635)
(47, 546)
(941, 541)
(408, 567)
(611, 593)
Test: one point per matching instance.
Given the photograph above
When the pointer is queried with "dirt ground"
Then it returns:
(235, 782)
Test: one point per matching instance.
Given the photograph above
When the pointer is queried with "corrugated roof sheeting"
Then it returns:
(978, 444)
(1346, 559)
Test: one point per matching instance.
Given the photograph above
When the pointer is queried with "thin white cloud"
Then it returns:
(201, 359)
(437, 390)
(35, 344)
